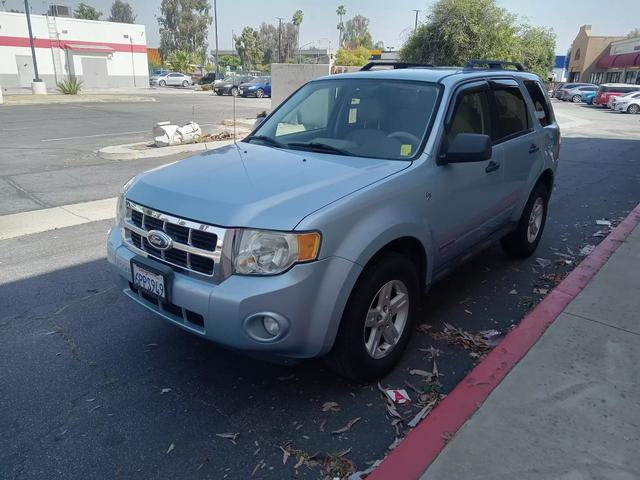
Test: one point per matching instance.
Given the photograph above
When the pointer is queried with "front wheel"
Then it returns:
(633, 109)
(378, 320)
(234, 92)
(162, 83)
(523, 241)
(260, 93)
(576, 99)
(185, 84)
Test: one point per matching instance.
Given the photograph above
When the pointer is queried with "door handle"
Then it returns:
(492, 167)
(533, 148)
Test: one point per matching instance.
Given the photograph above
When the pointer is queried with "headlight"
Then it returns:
(262, 252)
(121, 205)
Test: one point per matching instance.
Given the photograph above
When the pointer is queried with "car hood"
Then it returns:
(256, 186)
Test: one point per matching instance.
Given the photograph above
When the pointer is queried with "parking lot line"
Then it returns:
(37, 221)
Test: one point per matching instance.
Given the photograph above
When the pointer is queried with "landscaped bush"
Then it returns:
(207, 86)
(72, 86)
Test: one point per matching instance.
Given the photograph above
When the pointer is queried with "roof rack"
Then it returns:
(492, 65)
(393, 65)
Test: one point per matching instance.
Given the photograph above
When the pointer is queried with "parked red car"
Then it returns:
(608, 90)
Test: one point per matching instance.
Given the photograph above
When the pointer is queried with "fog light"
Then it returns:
(271, 326)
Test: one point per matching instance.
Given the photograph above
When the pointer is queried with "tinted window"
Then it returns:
(540, 102)
(511, 112)
(472, 115)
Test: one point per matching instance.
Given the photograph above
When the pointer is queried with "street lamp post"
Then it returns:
(415, 26)
(279, 38)
(215, 26)
(37, 85)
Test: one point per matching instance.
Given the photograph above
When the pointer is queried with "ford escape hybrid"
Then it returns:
(317, 234)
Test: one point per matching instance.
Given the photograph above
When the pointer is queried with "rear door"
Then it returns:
(520, 135)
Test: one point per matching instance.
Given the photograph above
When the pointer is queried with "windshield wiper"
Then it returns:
(266, 139)
(320, 147)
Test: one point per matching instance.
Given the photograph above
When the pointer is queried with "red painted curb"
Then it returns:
(423, 444)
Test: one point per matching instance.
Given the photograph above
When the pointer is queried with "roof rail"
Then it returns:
(394, 65)
(492, 65)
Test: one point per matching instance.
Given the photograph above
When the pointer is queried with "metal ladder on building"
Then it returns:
(54, 37)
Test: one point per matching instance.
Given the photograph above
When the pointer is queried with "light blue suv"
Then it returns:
(318, 233)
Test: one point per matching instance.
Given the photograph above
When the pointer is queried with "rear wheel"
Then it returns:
(260, 93)
(378, 320)
(162, 83)
(185, 83)
(234, 92)
(523, 241)
(576, 99)
(633, 108)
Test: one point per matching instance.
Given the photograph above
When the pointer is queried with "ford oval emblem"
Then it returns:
(160, 240)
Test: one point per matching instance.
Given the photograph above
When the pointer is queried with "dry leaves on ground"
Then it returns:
(347, 427)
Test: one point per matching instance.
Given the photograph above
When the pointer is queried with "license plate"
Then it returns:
(151, 282)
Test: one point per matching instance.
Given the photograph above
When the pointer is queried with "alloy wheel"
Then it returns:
(386, 319)
(535, 220)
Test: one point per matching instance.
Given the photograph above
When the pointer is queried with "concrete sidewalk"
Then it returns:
(570, 409)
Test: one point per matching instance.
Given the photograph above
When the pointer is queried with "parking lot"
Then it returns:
(94, 386)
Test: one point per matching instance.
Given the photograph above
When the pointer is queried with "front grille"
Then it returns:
(195, 247)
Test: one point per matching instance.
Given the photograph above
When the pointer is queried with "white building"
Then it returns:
(101, 54)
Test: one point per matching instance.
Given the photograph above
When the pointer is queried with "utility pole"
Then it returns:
(33, 48)
(215, 26)
(279, 39)
(415, 26)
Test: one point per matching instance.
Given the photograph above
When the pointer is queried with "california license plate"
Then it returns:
(149, 281)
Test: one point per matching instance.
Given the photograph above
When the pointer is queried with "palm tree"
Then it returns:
(182, 61)
(341, 11)
(297, 21)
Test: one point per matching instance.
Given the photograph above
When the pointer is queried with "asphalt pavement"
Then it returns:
(94, 386)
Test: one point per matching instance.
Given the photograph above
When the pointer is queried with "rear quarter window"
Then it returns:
(540, 102)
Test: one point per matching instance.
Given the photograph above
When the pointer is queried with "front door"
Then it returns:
(466, 197)
(94, 73)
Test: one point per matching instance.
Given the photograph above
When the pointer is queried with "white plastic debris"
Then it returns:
(606, 223)
(543, 262)
(398, 396)
(586, 250)
(165, 134)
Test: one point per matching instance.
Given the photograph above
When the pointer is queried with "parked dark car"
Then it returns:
(210, 77)
(229, 86)
(258, 87)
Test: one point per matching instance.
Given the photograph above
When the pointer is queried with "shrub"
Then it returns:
(72, 86)
(207, 86)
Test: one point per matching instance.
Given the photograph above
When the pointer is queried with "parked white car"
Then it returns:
(174, 79)
(629, 103)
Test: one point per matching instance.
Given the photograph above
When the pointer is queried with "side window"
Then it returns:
(511, 112)
(472, 115)
(540, 102)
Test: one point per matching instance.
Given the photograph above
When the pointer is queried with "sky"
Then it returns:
(390, 22)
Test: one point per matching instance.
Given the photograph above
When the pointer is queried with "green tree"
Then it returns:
(297, 21)
(230, 61)
(86, 12)
(355, 57)
(356, 33)
(122, 12)
(249, 48)
(634, 33)
(184, 25)
(341, 12)
(457, 30)
(182, 61)
(537, 50)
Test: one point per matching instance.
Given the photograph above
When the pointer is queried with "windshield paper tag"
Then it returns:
(405, 150)
(353, 115)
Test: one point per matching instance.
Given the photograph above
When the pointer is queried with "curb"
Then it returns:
(425, 442)
(23, 99)
(128, 152)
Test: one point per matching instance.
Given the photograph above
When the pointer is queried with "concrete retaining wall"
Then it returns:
(287, 77)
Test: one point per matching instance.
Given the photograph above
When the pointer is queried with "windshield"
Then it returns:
(362, 117)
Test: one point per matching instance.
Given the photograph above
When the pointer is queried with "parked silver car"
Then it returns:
(173, 79)
(318, 233)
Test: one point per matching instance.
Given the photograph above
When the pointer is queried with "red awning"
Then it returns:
(79, 47)
(624, 60)
(606, 62)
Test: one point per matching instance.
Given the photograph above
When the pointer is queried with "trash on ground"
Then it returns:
(513, 292)
(606, 223)
(540, 291)
(600, 234)
(171, 447)
(398, 396)
(330, 407)
(468, 340)
(165, 134)
(586, 250)
(492, 337)
(347, 427)
(165, 390)
(423, 413)
(543, 262)
(231, 436)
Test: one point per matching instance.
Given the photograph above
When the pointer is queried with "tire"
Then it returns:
(350, 355)
(219, 93)
(576, 99)
(522, 242)
(185, 84)
(633, 109)
(162, 83)
(259, 93)
(234, 92)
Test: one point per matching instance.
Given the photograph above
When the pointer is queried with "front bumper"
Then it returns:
(309, 297)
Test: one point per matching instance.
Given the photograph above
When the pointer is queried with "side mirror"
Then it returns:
(467, 147)
(258, 121)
